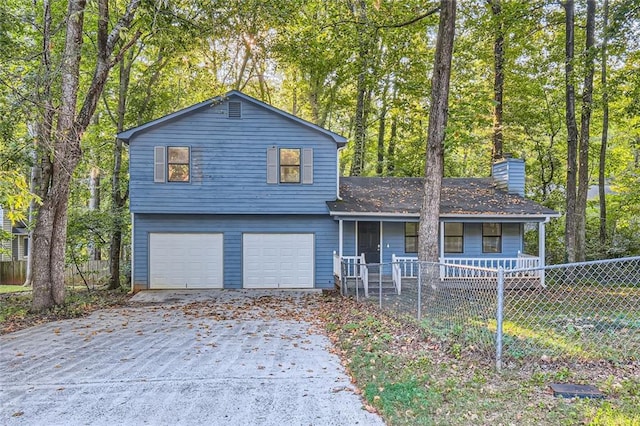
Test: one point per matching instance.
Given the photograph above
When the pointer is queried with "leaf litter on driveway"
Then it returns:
(232, 356)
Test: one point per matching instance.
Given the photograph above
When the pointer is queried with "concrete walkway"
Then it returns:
(214, 358)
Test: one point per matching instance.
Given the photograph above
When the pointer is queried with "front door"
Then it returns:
(369, 241)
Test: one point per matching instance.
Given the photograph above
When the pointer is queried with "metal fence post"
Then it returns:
(499, 312)
(357, 274)
(343, 277)
(419, 314)
(380, 284)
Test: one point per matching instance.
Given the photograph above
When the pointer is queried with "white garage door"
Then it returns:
(185, 261)
(277, 260)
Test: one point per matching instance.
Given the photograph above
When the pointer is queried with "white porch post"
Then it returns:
(441, 248)
(381, 249)
(340, 237)
(355, 248)
(541, 249)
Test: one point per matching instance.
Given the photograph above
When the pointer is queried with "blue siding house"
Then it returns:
(234, 193)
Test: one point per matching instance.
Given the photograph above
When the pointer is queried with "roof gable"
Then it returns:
(130, 133)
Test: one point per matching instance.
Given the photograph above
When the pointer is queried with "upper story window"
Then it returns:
(453, 237)
(178, 164)
(492, 238)
(411, 237)
(289, 165)
(171, 164)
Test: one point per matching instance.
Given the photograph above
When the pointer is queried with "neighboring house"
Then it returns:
(17, 247)
(234, 193)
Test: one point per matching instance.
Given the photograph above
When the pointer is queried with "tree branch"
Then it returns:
(118, 57)
(392, 25)
(410, 21)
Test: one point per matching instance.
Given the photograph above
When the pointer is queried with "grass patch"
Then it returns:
(411, 378)
(13, 289)
(15, 308)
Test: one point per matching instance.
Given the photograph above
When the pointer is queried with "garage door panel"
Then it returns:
(278, 260)
(186, 260)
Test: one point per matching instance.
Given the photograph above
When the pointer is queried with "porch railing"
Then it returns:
(337, 265)
(459, 267)
(352, 267)
(483, 267)
(402, 266)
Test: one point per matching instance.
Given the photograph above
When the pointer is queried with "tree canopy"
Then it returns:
(360, 68)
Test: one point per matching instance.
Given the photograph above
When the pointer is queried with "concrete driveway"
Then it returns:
(215, 358)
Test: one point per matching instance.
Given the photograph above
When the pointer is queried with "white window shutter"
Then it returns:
(272, 165)
(159, 164)
(307, 165)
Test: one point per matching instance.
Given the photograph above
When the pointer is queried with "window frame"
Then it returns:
(411, 236)
(282, 165)
(460, 236)
(491, 235)
(174, 163)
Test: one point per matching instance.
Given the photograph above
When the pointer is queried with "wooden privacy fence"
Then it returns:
(13, 272)
(94, 272)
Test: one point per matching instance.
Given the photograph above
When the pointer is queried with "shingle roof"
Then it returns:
(459, 197)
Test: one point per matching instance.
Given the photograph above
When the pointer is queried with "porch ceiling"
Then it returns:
(460, 197)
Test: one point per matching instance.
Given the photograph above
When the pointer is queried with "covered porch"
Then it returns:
(482, 229)
(381, 252)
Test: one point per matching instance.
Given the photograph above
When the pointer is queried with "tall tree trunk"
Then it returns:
(33, 184)
(585, 121)
(358, 8)
(391, 148)
(49, 235)
(572, 135)
(357, 165)
(294, 95)
(315, 91)
(605, 131)
(94, 205)
(41, 171)
(438, 114)
(382, 130)
(498, 78)
(118, 199)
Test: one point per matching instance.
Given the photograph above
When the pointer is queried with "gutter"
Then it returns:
(546, 218)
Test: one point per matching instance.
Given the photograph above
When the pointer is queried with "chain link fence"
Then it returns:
(579, 312)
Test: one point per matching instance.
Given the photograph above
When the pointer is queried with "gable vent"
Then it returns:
(235, 109)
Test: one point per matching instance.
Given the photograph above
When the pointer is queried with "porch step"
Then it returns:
(374, 285)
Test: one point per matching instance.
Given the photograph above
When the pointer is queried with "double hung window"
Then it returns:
(411, 237)
(289, 165)
(492, 238)
(453, 237)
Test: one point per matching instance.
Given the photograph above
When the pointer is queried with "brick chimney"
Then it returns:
(509, 175)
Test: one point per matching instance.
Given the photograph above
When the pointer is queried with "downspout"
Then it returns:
(340, 237)
(133, 237)
(381, 244)
(338, 172)
(441, 240)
